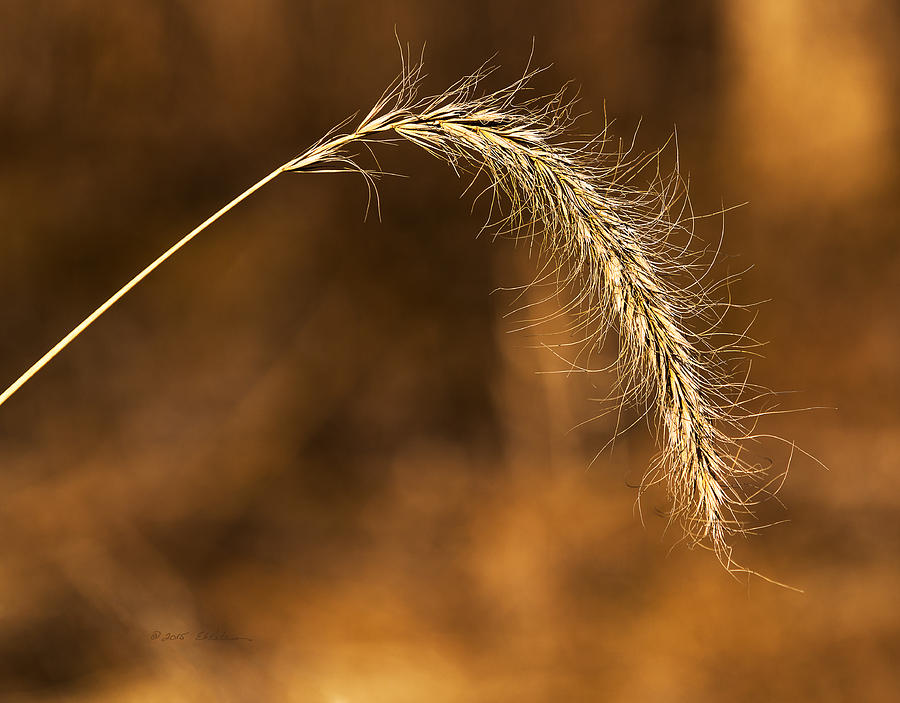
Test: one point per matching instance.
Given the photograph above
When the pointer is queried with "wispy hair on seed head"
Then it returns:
(606, 240)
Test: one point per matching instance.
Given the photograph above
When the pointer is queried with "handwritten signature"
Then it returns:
(159, 636)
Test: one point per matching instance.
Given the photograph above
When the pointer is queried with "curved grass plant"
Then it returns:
(606, 241)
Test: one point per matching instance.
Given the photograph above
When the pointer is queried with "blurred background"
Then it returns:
(321, 434)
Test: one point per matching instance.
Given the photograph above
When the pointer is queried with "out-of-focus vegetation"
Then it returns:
(317, 433)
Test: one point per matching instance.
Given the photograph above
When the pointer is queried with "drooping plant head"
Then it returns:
(608, 241)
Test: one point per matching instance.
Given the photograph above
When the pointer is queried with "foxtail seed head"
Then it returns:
(609, 241)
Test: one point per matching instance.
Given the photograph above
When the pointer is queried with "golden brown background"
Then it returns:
(317, 433)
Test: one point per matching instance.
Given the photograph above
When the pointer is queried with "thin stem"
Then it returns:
(88, 321)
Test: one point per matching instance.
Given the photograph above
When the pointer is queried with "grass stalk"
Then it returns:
(605, 238)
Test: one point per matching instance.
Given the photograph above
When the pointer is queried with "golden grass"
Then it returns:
(602, 238)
